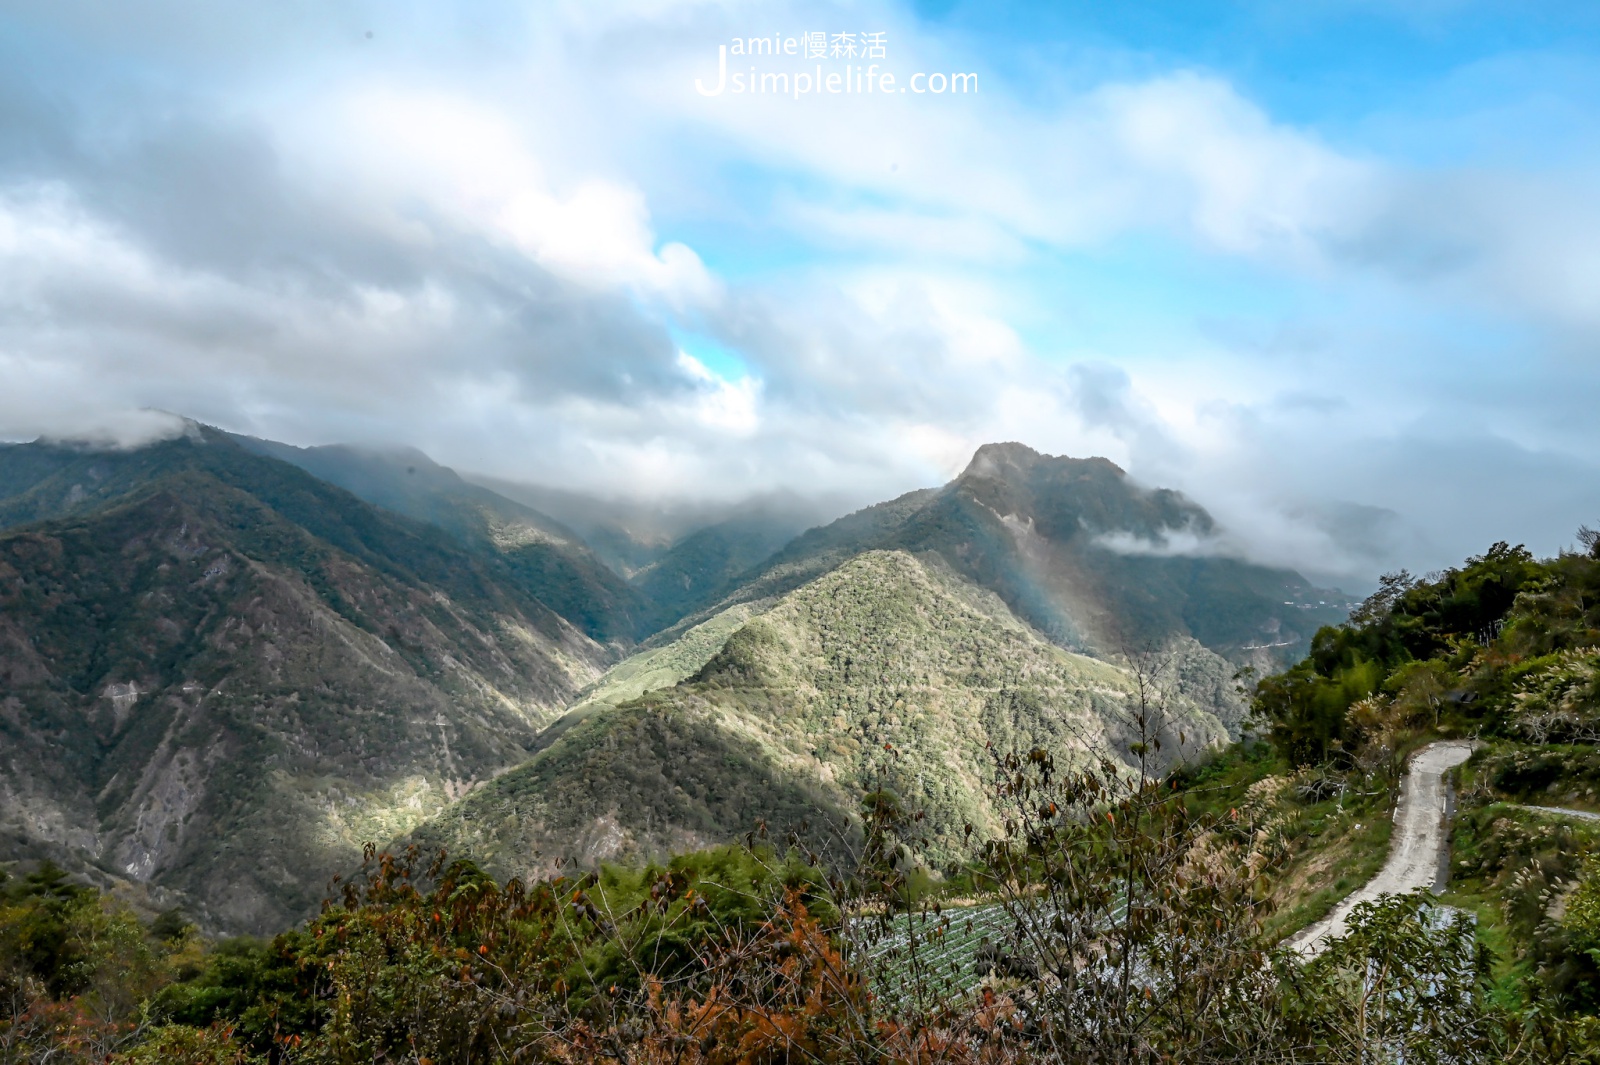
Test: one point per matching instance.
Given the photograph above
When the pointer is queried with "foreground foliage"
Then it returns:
(1132, 932)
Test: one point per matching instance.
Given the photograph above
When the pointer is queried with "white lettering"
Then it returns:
(722, 74)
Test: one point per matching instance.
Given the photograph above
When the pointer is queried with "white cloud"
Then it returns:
(470, 162)
(727, 405)
(1244, 183)
(488, 257)
(1167, 543)
(959, 239)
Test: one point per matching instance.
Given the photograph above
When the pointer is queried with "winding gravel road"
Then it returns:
(1415, 849)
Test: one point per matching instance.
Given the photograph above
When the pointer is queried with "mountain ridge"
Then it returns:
(549, 559)
(208, 651)
(1040, 531)
(220, 676)
(803, 696)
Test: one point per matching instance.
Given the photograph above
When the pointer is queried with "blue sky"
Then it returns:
(1329, 267)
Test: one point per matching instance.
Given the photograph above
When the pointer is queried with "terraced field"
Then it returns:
(945, 948)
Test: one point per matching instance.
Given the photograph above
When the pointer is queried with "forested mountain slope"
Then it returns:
(623, 586)
(710, 563)
(544, 557)
(886, 671)
(1080, 552)
(220, 676)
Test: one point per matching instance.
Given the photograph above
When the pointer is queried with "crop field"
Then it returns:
(949, 949)
(944, 948)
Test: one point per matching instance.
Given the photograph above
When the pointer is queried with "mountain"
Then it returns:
(1008, 606)
(220, 676)
(647, 567)
(547, 559)
(677, 556)
(708, 564)
(627, 535)
(221, 672)
(1082, 553)
(888, 670)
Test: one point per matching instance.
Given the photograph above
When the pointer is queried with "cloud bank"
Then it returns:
(526, 245)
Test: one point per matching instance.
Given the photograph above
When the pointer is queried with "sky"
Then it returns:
(1330, 267)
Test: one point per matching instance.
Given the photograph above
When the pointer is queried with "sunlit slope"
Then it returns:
(1082, 553)
(651, 670)
(665, 666)
(888, 669)
(227, 676)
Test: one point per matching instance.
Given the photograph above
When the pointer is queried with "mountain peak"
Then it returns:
(998, 459)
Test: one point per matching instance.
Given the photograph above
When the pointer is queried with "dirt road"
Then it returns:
(1415, 849)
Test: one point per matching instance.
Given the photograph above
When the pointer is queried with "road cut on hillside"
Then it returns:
(1562, 811)
(1416, 848)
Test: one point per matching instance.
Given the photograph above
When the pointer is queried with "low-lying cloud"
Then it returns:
(1166, 543)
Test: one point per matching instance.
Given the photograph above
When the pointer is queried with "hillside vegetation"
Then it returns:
(544, 558)
(219, 676)
(208, 655)
(1116, 927)
(1114, 902)
(1506, 649)
(888, 672)
(1079, 552)
(708, 564)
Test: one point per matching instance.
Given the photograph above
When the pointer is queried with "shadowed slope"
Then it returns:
(225, 680)
(544, 557)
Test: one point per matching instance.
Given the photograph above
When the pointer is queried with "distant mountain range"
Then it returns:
(631, 535)
(226, 663)
(545, 558)
(622, 572)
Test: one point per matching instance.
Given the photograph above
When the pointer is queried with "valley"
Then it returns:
(219, 648)
(985, 731)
